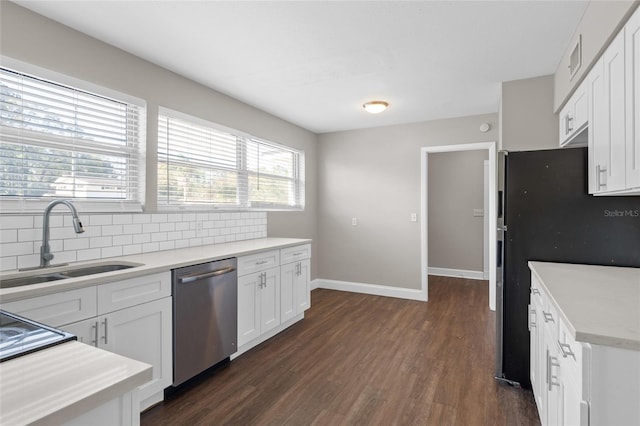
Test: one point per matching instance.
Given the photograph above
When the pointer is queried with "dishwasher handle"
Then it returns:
(197, 277)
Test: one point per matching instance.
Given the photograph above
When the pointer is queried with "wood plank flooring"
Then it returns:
(365, 360)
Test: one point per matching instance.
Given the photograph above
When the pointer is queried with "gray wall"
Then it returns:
(527, 120)
(31, 38)
(600, 22)
(456, 187)
(374, 175)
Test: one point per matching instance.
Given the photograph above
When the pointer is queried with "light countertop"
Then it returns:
(599, 304)
(54, 385)
(159, 261)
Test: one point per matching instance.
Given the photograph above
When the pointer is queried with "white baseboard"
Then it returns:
(458, 273)
(314, 284)
(373, 289)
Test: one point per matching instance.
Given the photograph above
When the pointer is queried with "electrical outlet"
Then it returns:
(354, 221)
(478, 212)
(199, 227)
(414, 217)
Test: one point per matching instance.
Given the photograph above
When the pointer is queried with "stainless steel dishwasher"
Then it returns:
(205, 306)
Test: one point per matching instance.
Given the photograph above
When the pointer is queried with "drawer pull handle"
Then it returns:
(95, 333)
(105, 331)
(535, 291)
(566, 350)
(553, 379)
(548, 317)
(262, 262)
(300, 253)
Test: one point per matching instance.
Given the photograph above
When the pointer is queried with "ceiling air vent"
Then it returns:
(576, 58)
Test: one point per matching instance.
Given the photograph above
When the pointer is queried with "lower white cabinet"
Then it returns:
(577, 383)
(295, 291)
(141, 332)
(258, 304)
(130, 317)
(273, 293)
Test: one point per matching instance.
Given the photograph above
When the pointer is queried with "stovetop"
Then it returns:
(20, 336)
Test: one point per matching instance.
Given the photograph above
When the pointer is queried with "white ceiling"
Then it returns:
(315, 63)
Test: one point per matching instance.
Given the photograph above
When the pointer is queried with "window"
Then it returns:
(201, 164)
(60, 141)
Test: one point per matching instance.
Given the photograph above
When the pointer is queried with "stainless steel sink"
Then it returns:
(97, 269)
(38, 276)
(34, 279)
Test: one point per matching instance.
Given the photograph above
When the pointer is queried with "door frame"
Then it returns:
(424, 209)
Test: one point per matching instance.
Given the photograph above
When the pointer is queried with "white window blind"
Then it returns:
(57, 141)
(201, 164)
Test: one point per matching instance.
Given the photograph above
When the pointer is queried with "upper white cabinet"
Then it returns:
(607, 137)
(632, 55)
(613, 98)
(574, 118)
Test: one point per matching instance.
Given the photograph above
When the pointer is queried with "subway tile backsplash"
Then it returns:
(112, 235)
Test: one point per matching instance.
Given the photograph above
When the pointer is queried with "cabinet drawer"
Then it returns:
(293, 254)
(59, 308)
(258, 262)
(123, 294)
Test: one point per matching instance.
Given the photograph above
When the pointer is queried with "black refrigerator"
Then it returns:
(546, 214)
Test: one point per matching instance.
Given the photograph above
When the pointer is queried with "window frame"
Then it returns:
(243, 204)
(26, 204)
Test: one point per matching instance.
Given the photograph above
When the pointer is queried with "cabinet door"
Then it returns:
(598, 125)
(288, 296)
(632, 58)
(143, 333)
(86, 331)
(270, 300)
(534, 351)
(614, 78)
(248, 308)
(303, 290)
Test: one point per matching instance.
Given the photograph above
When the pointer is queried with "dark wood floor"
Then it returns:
(360, 359)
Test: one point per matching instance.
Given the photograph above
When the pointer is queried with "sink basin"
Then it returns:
(64, 273)
(34, 279)
(98, 269)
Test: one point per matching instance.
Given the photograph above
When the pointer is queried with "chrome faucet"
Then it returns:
(45, 250)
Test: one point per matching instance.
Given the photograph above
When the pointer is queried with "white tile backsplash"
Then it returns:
(109, 235)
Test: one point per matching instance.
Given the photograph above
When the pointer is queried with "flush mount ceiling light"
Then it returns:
(375, 107)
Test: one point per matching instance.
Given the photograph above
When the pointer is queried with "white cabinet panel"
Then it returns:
(293, 254)
(248, 308)
(86, 331)
(632, 60)
(123, 294)
(143, 333)
(58, 308)
(288, 296)
(302, 286)
(258, 262)
(574, 118)
(270, 300)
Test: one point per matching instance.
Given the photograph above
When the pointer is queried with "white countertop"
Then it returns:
(153, 262)
(599, 304)
(54, 385)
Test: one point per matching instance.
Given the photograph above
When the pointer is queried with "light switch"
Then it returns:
(354, 221)
(478, 212)
(414, 217)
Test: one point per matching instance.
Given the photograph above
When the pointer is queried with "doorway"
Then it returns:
(490, 212)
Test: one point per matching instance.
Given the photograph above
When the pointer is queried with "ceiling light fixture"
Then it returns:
(375, 107)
